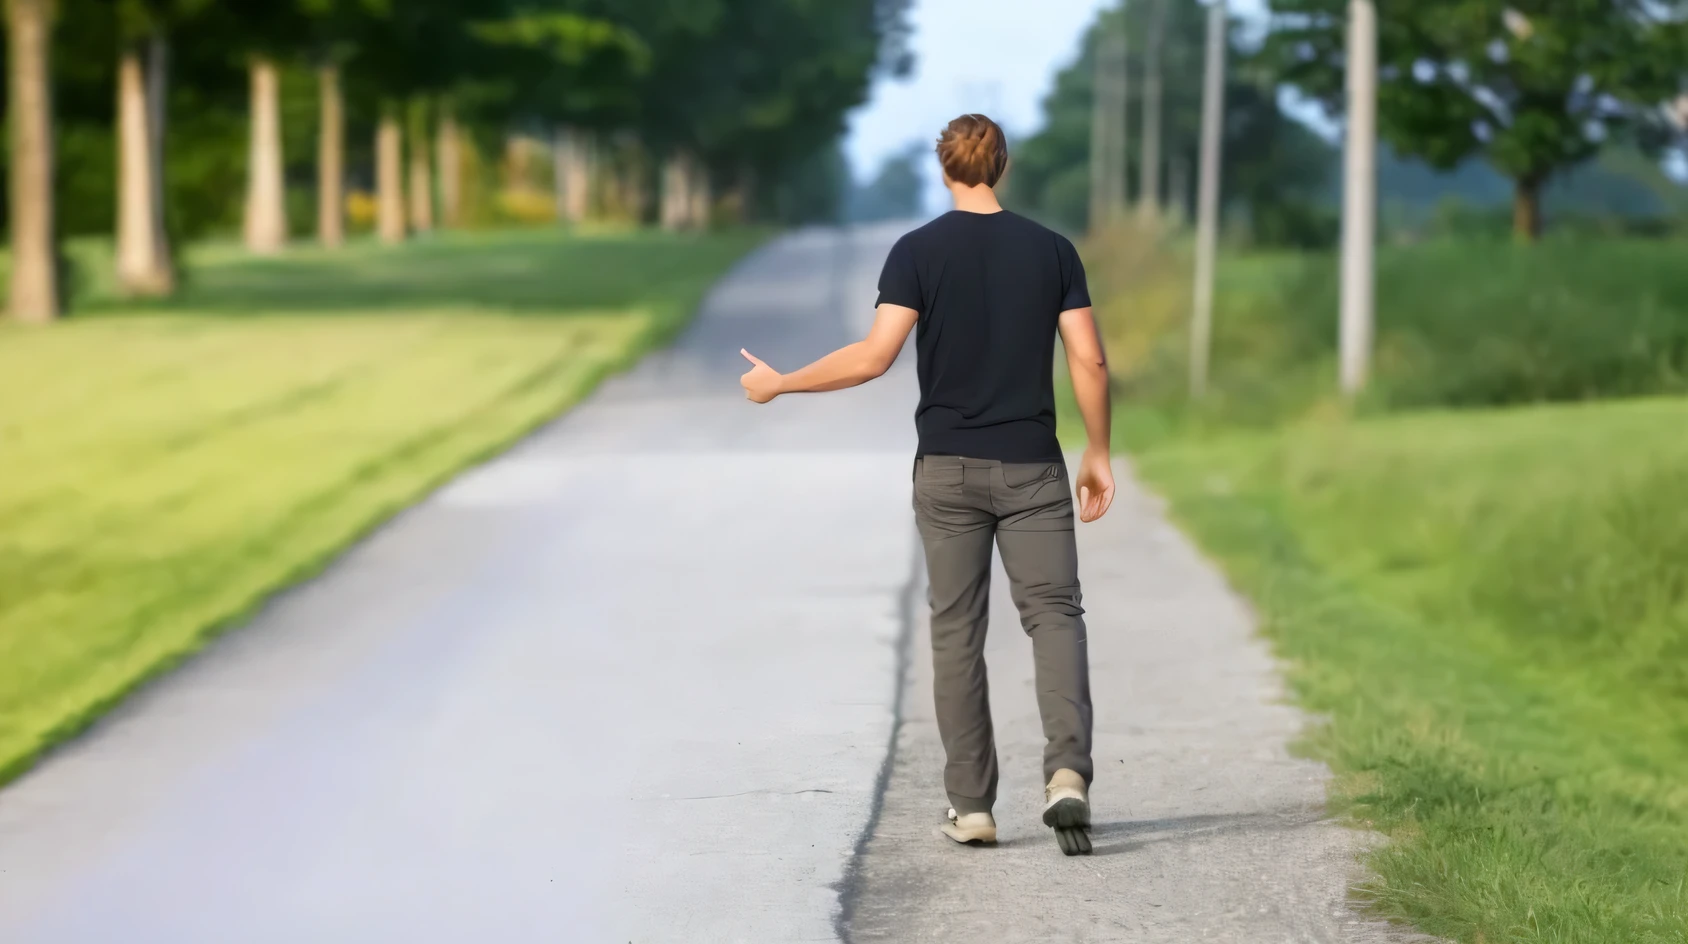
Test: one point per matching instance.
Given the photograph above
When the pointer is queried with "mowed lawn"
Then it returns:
(163, 468)
(1491, 609)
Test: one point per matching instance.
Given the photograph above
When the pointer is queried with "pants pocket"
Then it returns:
(1027, 474)
(939, 472)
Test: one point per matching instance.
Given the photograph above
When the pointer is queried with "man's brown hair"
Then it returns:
(973, 151)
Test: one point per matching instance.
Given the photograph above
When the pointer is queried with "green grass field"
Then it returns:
(169, 466)
(1488, 607)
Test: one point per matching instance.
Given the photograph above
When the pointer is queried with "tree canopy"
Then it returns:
(1534, 86)
(757, 88)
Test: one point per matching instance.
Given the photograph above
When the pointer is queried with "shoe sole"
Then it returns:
(1067, 813)
(969, 837)
(1074, 841)
(1070, 818)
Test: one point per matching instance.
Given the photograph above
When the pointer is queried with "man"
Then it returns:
(989, 290)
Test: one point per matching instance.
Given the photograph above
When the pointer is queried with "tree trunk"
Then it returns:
(635, 186)
(1149, 171)
(518, 174)
(698, 215)
(592, 158)
(158, 88)
(736, 203)
(266, 194)
(1108, 129)
(559, 174)
(331, 158)
(1526, 210)
(421, 170)
(450, 170)
(676, 200)
(574, 176)
(389, 180)
(34, 293)
(141, 268)
(1178, 190)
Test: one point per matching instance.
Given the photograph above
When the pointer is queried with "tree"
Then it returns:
(266, 188)
(389, 177)
(1271, 162)
(421, 170)
(332, 29)
(573, 72)
(1535, 86)
(268, 33)
(34, 293)
(331, 156)
(1149, 165)
(143, 264)
(754, 89)
(449, 158)
(1110, 93)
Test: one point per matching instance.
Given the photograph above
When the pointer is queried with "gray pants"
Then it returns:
(961, 506)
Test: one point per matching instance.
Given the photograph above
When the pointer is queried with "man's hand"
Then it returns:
(1095, 485)
(761, 383)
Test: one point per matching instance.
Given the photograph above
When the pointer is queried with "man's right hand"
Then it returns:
(1095, 484)
(761, 383)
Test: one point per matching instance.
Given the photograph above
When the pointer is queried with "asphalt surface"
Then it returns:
(640, 680)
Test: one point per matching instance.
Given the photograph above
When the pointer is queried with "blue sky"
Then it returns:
(993, 56)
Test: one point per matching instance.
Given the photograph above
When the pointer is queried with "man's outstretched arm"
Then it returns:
(1088, 366)
(848, 366)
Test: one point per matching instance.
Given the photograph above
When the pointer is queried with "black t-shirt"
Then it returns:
(990, 288)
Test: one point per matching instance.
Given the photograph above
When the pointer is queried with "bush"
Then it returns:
(1292, 224)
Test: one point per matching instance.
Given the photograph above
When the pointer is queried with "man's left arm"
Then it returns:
(849, 366)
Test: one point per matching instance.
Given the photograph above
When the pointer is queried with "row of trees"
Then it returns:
(1532, 88)
(1137, 83)
(686, 96)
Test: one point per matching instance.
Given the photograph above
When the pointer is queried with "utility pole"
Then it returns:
(1107, 128)
(1149, 171)
(1207, 200)
(1359, 196)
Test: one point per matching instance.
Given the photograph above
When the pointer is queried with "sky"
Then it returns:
(993, 56)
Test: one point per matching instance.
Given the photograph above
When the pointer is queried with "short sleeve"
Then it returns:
(1075, 292)
(899, 281)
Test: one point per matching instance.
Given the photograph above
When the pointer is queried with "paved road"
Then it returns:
(637, 681)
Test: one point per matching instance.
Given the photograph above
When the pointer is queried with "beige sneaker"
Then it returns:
(1067, 811)
(973, 829)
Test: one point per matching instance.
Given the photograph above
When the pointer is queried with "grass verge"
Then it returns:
(170, 466)
(1491, 610)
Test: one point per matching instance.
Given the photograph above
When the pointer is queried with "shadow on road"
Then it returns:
(1132, 835)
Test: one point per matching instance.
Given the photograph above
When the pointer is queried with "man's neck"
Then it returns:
(980, 199)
